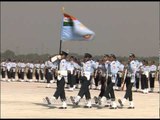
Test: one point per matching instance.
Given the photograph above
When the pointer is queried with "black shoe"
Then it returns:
(113, 107)
(107, 106)
(150, 91)
(120, 102)
(135, 91)
(130, 107)
(48, 100)
(62, 107)
(120, 107)
(87, 106)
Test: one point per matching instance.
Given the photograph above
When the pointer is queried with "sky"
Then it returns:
(120, 27)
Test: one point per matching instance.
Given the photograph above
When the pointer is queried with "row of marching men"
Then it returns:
(22, 71)
(106, 71)
(145, 75)
(45, 72)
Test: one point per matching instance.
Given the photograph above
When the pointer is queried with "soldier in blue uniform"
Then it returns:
(131, 73)
(9, 65)
(112, 70)
(48, 72)
(87, 73)
(103, 80)
(3, 70)
(13, 70)
(152, 75)
(62, 72)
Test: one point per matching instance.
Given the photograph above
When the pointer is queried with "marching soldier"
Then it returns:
(62, 72)
(87, 73)
(30, 71)
(144, 76)
(72, 66)
(22, 70)
(48, 72)
(98, 74)
(152, 75)
(9, 65)
(18, 70)
(42, 66)
(137, 78)
(103, 81)
(112, 68)
(119, 76)
(13, 70)
(3, 70)
(131, 72)
(77, 73)
(37, 70)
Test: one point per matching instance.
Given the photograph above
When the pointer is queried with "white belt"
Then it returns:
(71, 70)
(14, 69)
(129, 74)
(109, 75)
(120, 74)
(87, 75)
(153, 74)
(62, 73)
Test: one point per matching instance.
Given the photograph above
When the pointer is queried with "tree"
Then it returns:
(8, 54)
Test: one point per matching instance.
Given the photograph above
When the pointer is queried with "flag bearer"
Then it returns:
(62, 72)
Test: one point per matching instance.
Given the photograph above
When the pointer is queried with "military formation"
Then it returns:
(105, 75)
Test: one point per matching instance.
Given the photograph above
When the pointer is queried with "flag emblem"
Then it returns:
(73, 29)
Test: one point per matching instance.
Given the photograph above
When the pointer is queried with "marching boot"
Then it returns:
(151, 90)
(64, 105)
(108, 103)
(89, 104)
(114, 105)
(75, 100)
(102, 100)
(131, 105)
(48, 85)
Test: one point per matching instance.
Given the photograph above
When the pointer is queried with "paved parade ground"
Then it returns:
(24, 100)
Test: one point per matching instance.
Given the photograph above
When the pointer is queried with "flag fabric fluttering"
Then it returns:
(74, 30)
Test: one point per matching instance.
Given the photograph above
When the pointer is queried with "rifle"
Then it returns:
(124, 77)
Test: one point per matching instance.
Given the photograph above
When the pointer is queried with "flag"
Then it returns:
(73, 29)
